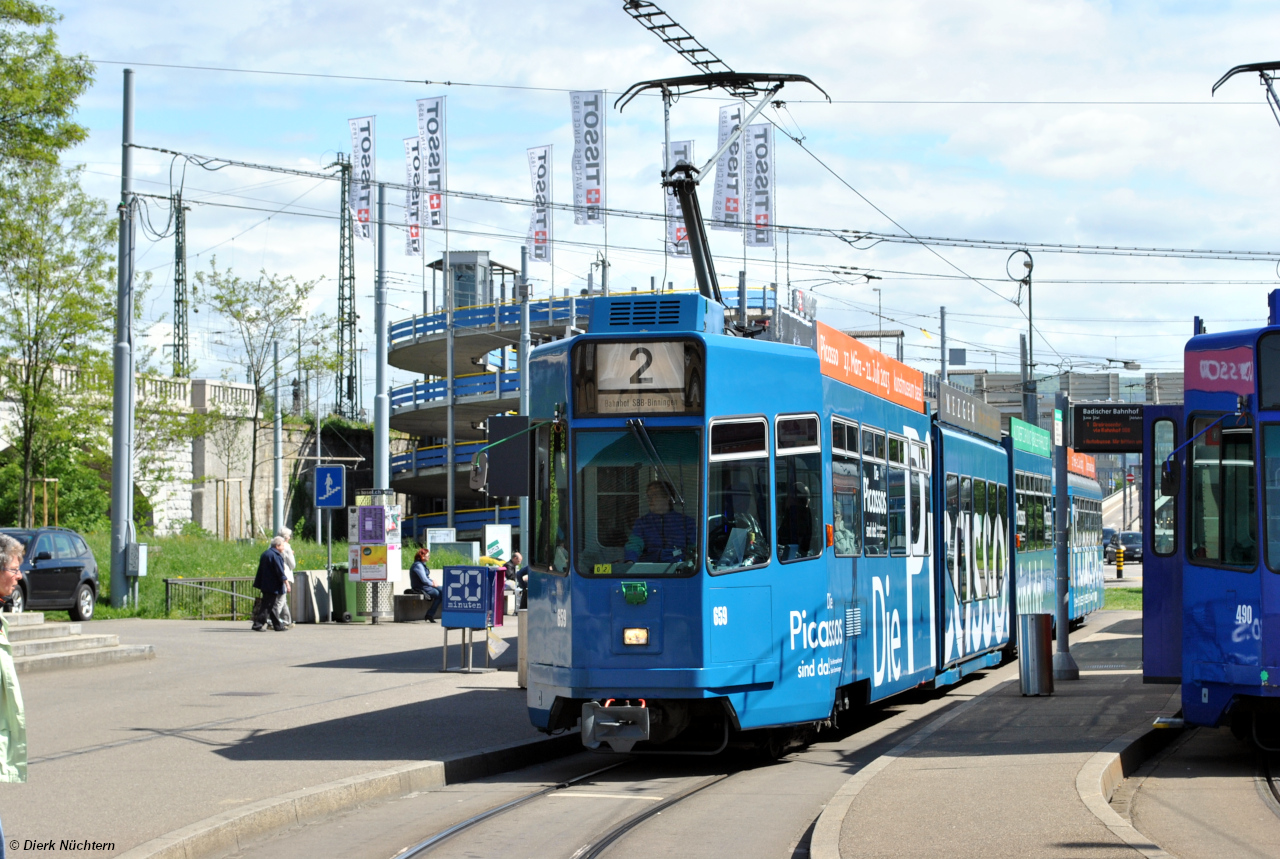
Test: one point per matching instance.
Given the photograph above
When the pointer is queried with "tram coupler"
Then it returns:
(618, 726)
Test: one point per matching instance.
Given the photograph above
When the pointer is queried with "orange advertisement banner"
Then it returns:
(1082, 464)
(857, 364)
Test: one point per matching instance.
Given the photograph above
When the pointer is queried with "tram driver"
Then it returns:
(662, 535)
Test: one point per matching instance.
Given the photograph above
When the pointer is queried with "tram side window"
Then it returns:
(738, 496)
(1002, 532)
(897, 497)
(798, 488)
(1164, 508)
(846, 490)
(1223, 511)
(981, 530)
(875, 495)
(1271, 492)
(952, 530)
(550, 503)
(964, 548)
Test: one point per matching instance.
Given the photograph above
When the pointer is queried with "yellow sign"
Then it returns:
(604, 569)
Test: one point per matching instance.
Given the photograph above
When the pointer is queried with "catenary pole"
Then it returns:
(381, 402)
(1064, 664)
(942, 330)
(122, 362)
(277, 448)
(523, 357)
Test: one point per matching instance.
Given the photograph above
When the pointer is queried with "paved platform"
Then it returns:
(997, 774)
(224, 717)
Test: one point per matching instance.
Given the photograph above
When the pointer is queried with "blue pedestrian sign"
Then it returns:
(331, 486)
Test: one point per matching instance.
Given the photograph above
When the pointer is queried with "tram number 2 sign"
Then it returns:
(645, 375)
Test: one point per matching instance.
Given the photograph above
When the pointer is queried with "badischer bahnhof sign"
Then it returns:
(1107, 427)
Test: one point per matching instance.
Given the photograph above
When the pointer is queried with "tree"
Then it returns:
(41, 85)
(57, 297)
(262, 312)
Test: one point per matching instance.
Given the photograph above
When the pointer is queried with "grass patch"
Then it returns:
(182, 556)
(1125, 599)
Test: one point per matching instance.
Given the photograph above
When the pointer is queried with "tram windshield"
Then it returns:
(636, 503)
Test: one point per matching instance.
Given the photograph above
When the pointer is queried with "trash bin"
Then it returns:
(342, 595)
(1035, 653)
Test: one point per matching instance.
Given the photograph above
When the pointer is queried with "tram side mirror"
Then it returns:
(1169, 478)
(479, 470)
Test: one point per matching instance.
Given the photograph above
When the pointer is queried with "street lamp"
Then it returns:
(1028, 399)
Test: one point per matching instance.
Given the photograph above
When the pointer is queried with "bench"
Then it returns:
(408, 607)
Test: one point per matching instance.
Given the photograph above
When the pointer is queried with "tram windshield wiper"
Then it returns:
(636, 425)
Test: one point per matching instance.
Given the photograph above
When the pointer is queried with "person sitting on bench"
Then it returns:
(420, 583)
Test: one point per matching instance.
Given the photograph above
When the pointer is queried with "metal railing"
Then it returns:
(544, 312)
(434, 456)
(210, 598)
(493, 385)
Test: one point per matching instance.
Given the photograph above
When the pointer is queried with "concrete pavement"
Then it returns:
(225, 717)
(1004, 775)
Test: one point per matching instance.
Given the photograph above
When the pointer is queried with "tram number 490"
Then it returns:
(1244, 614)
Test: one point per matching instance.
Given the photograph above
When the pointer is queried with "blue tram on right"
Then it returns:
(1211, 588)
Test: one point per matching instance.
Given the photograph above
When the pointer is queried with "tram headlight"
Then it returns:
(638, 635)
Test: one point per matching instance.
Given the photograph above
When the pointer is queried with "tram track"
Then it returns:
(594, 848)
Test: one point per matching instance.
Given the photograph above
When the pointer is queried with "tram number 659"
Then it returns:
(720, 615)
(1244, 614)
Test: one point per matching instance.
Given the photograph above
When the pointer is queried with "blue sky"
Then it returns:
(1197, 173)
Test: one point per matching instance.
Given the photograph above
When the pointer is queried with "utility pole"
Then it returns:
(122, 365)
(1064, 664)
(942, 330)
(523, 357)
(381, 401)
(181, 343)
(277, 447)
(345, 391)
(1022, 363)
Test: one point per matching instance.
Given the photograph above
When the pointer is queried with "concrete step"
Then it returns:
(43, 630)
(84, 658)
(26, 618)
(65, 644)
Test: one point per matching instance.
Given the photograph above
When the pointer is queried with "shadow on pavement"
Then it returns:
(425, 660)
(423, 729)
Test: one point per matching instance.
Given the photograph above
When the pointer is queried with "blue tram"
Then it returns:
(1211, 590)
(730, 534)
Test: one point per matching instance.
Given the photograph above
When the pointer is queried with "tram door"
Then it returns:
(1162, 548)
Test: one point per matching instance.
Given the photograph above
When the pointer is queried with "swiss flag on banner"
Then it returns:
(362, 215)
(539, 237)
(593, 196)
(433, 202)
(731, 204)
(682, 234)
(413, 231)
(762, 220)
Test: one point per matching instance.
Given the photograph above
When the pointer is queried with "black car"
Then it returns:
(1132, 541)
(58, 572)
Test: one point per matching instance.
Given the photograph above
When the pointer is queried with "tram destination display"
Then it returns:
(638, 376)
(959, 409)
(1107, 427)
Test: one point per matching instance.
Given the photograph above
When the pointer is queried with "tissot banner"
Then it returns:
(726, 204)
(412, 197)
(757, 155)
(540, 221)
(588, 157)
(431, 142)
(364, 170)
(677, 235)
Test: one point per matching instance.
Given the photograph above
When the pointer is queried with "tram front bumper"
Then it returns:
(618, 727)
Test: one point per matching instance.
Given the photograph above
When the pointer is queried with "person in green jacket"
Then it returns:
(13, 725)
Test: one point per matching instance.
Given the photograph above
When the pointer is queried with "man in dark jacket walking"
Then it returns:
(270, 580)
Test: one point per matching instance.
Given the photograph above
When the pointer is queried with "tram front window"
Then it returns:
(636, 502)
